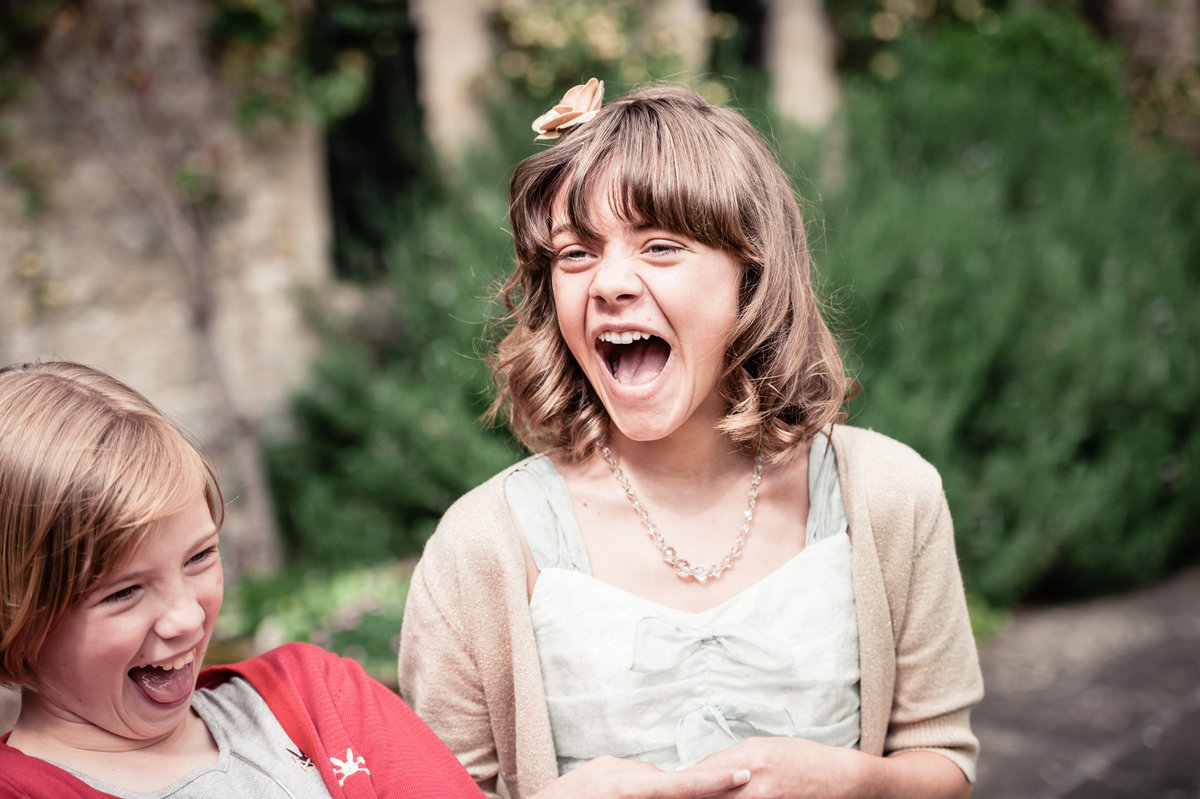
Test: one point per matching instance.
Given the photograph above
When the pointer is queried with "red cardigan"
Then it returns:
(364, 739)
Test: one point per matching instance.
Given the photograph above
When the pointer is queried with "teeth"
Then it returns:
(628, 337)
(177, 663)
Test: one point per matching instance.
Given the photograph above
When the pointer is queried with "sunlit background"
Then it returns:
(282, 220)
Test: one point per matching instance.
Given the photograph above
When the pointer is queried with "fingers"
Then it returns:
(614, 778)
(698, 782)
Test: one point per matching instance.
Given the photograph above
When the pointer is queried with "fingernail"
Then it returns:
(741, 776)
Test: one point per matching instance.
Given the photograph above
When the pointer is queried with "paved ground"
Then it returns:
(1097, 700)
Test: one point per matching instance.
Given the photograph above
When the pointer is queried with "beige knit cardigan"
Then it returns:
(469, 664)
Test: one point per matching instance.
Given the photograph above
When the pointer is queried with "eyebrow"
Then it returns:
(139, 574)
(558, 230)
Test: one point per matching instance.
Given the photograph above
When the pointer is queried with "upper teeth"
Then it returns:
(177, 663)
(628, 337)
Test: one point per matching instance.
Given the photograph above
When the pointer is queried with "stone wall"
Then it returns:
(99, 253)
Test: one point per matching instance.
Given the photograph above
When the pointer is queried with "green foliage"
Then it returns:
(868, 29)
(387, 435)
(23, 26)
(547, 46)
(290, 59)
(355, 612)
(1024, 292)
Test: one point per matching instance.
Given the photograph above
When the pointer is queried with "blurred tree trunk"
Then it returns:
(800, 58)
(455, 63)
(1162, 39)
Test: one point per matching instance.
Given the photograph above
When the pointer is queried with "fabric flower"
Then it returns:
(577, 106)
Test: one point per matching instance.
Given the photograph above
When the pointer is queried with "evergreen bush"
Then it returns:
(387, 432)
(1023, 289)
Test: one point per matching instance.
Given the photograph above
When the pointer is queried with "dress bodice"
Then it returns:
(628, 677)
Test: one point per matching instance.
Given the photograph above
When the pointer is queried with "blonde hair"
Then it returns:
(673, 161)
(87, 466)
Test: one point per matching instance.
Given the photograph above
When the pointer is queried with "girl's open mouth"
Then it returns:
(166, 683)
(633, 358)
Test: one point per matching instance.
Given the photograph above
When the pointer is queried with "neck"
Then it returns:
(42, 732)
(694, 462)
(141, 765)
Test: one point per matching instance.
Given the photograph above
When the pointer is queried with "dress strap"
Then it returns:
(541, 503)
(826, 513)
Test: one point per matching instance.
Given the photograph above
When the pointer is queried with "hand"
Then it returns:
(792, 768)
(614, 778)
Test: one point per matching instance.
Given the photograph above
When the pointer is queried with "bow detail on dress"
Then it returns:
(711, 729)
(660, 645)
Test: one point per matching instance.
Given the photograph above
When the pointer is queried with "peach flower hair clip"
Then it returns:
(577, 106)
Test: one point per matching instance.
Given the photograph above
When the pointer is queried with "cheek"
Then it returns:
(87, 654)
(569, 314)
(215, 594)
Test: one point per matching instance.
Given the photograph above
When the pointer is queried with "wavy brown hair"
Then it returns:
(673, 161)
(87, 466)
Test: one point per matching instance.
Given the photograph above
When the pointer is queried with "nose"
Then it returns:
(616, 279)
(182, 614)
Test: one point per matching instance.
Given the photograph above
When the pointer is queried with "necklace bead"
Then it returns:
(682, 568)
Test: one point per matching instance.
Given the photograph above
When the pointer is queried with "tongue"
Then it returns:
(164, 686)
(641, 361)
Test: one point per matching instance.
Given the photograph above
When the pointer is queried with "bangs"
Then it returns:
(153, 472)
(657, 168)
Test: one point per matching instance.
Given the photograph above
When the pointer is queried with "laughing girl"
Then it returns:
(110, 585)
(700, 567)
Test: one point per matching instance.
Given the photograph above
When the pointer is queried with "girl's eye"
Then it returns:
(124, 595)
(573, 254)
(664, 248)
(201, 557)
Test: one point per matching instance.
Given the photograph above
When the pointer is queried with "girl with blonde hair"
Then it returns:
(700, 568)
(110, 585)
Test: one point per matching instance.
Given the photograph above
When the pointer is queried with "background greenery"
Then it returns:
(1011, 254)
(1024, 278)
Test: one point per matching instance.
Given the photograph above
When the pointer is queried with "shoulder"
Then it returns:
(476, 548)
(888, 487)
(22, 775)
(477, 522)
(862, 446)
(287, 663)
(873, 461)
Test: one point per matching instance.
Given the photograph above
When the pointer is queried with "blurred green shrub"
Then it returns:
(1023, 286)
(387, 433)
(355, 612)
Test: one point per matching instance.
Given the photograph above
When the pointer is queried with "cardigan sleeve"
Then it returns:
(468, 659)
(440, 680)
(920, 669)
(938, 678)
